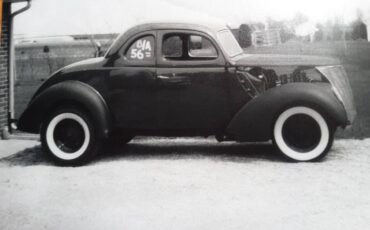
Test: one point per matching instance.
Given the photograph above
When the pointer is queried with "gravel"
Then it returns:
(186, 183)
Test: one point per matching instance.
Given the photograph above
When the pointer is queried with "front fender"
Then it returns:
(74, 92)
(254, 122)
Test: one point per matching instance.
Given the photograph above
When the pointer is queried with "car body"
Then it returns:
(182, 79)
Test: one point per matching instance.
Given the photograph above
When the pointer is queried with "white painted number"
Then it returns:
(143, 49)
(137, 54)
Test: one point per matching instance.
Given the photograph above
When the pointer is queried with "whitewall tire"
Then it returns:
(302, 134)
(56, 148)
(68, 137)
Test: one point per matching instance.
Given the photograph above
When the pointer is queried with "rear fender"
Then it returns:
(67, 92)
(255, 120)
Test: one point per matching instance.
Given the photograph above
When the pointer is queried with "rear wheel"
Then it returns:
(302, 134)
(69, 138)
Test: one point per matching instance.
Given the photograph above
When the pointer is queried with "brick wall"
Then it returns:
(4, 86)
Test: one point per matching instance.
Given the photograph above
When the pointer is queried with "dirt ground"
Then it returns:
(186, 184)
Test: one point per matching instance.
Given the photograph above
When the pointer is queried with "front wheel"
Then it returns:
(302, 134)
(68, 137)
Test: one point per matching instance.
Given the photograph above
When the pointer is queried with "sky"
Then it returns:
(65, 17)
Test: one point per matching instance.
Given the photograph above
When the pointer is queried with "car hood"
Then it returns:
(284, 60)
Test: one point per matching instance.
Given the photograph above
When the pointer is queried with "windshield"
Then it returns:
(229, 43)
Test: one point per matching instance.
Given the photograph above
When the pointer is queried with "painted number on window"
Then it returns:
(142, 49)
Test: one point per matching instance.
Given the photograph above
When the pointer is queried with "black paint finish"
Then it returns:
(254, 122)
(172, 97)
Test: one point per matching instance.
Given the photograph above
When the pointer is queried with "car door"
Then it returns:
(132, 83)
(192, 80)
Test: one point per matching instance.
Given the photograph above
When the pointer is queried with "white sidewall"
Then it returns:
(50, 136)
(288, 151)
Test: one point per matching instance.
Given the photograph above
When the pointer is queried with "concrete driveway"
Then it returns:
(186, 184)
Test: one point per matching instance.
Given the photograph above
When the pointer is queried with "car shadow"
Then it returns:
(27, 157)
(162, 149)
(194, 150)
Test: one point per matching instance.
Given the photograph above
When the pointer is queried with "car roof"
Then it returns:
(206, 27)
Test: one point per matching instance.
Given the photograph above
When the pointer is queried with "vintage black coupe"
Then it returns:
(181, 79)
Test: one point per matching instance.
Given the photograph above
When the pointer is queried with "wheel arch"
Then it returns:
(255, 120)
(67, 93)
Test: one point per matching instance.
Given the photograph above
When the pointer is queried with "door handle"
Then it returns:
(174, 81)
(161, 77)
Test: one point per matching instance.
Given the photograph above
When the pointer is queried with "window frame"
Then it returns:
(124, 61)
(162, 61)
(182, 46)
(201, 58)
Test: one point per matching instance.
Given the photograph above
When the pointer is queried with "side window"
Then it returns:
(187, 47)
(201, 47)
(172, 46)
(141, 50)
